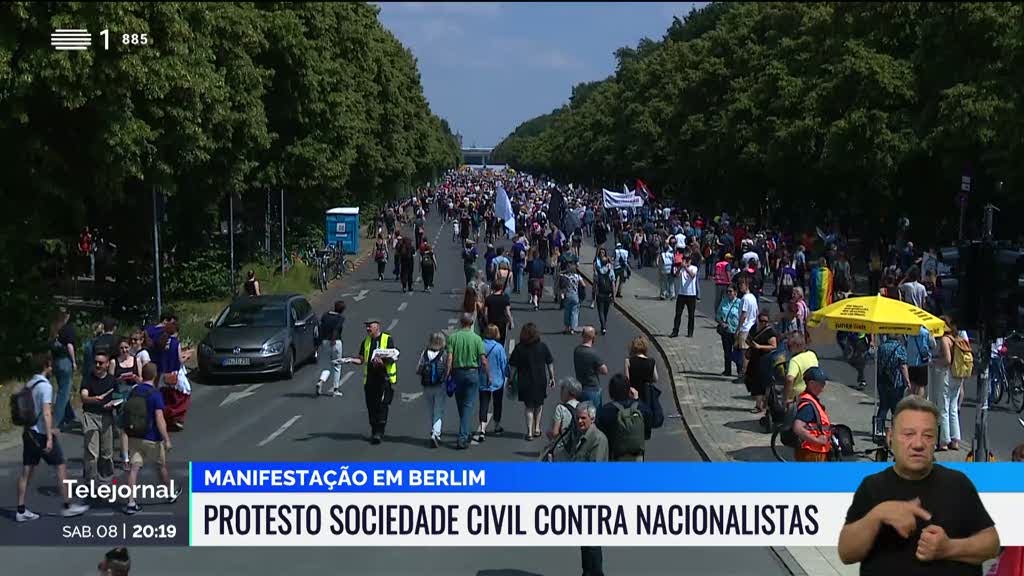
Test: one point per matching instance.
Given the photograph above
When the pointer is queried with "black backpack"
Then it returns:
(136, 414)
(23, 405)
(604, 284)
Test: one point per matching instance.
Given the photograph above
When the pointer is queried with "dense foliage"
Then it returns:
(855, 112)
(316, 99)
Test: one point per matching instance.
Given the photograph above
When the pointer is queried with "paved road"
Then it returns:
(282, 421)
(1004, 429)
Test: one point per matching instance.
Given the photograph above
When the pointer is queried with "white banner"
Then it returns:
(539, 519)
(621, 200)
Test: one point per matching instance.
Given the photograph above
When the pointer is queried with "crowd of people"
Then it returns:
(133, 392)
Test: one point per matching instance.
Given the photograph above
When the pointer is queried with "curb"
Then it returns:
(693, 419)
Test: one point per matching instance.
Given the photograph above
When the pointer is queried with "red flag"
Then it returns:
(643, 188)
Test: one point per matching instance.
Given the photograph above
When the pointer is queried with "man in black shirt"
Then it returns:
(917, 517)
(107, 341)
(98, 417)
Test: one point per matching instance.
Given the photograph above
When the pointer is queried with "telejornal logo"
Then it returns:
(113, 492)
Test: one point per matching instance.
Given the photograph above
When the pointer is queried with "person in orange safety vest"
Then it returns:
(812, 425)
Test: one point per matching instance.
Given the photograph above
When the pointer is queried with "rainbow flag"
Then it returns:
(819, 293)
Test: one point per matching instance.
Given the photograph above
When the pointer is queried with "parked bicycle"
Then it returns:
(1007, 372)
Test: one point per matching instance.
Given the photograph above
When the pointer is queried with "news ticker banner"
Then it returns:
(542, 504)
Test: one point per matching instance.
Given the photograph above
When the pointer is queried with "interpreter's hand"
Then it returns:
(933, 544)
(902, 515)
(633, 393)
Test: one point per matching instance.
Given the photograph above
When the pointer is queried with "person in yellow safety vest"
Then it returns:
(812, 425)
(379, 378)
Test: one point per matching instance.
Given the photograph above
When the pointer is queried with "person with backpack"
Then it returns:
(469, 255)
(148, 438)
(952, 363)
(32, 409)
(380, 255)
(604, 290)
(431, 370)
(428, 266)
(562, 420)
(919, 356)
(625, 421)
(893, 378)
(622, 268)
(492, 382)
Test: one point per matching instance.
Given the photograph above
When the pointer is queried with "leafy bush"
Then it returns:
(203, 277)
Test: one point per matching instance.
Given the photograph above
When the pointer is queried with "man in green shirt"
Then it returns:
(466, 358)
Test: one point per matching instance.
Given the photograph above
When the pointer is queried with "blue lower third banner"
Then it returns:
(538, 504)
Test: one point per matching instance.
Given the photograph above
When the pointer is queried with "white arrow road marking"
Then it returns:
(391, 326)
(410, 396)
(280, 430)
(236, 396)
(402, 306)
(362, 295)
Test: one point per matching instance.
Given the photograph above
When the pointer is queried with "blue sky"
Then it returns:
(487, 67)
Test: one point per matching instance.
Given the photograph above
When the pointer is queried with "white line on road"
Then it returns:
(410, 396)
(345, 377)
(236, 396)
(391, 326)
(362, 295)
(403, 306)
(280, 430)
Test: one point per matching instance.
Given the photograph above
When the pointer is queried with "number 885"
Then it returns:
(135, 39)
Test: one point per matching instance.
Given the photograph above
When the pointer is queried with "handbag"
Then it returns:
(657, 413)
(449, 386)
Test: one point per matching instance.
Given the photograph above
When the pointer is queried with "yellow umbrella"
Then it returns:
(876, 315)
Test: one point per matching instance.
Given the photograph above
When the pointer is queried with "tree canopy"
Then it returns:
(316, 99)
(853, 112)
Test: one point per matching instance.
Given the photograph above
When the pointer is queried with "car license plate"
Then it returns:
(236, 361)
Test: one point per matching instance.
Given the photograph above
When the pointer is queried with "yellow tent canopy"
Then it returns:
(876, 315)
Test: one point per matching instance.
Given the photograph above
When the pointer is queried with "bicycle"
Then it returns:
(841, 450)
(1007, 378)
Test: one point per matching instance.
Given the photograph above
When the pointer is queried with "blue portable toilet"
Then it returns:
(343, 226)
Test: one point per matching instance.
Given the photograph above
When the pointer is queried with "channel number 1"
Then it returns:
(126, 39)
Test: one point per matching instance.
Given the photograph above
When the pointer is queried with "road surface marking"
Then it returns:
(453, 321)
(236, 396)
(280, 430)
(402, 306)
(362, 295)
(410, 396)
(391, 326)
(345, 378)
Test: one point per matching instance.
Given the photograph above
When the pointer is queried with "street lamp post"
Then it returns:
(282, 232)
(156, 254)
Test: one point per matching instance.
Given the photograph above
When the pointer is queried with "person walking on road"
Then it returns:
(563, 419)
(728, 322)
(432, 368)
(686, 297)
(535, 277)
(591, 446)
(466, 359)
(380, 255)
(589, 367)
(40, 442)
(97, 391)
(570, 283)
(893, 378)
(498, 311)
(428, 266)
(534, 374)
(667, 286)
(641, 371)
(380, 374)
(62, 343)
(492, 385)
(622, 269)
(331, 327)
(604, 290)
(748, 318)
(625, 421)
(152, 442)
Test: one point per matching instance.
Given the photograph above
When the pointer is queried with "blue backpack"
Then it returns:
(433, 370)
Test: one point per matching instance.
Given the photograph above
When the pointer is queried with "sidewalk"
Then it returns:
(716, 411)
